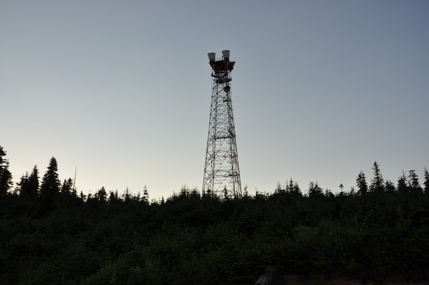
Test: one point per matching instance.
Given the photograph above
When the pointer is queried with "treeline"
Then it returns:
(49, 234)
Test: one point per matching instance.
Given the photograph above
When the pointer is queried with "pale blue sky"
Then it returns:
(121, 90)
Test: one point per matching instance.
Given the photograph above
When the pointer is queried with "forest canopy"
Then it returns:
(49, 234)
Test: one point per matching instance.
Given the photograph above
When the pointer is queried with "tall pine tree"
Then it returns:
(413, 181)
(33, 183)
(426, 183)
(361, 183)
(29, 185)
(377, 184)
(50, 187)
(5, 174)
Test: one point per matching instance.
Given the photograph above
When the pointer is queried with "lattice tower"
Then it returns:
(221, 169)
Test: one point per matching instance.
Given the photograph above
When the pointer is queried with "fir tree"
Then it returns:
(2, 153)
(101, 195)
(33, 183)
(293, 188)
(377, 181)
(5, 178)
(22, 186)
(145, 195)
(402, 183)
(50, 186)
(67, 186)
(389, 186)
(413, 181)
(5, 175)
(314, 190)
(426, 183)
(361, 183)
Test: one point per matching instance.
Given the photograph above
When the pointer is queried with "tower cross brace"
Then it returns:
(221, 168)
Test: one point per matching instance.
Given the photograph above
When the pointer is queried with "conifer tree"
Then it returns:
(402, 183)
(2, 153)
(67, 186)
(361, 183)
(29, 185)
(293, 188)
(50, 186)
(314, 190)
(377, 181)
(389, 187)
(145, 195)
(413, 181)
(22, 186)
(426, 183)
(102, 194)
(33, 183)
(5, 176)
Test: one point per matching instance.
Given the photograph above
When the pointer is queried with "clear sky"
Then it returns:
(121, 90)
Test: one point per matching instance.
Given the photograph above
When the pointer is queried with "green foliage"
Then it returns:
(377, 181)
(426, 183)
(193, 238)
(361, 183)
(5, 174)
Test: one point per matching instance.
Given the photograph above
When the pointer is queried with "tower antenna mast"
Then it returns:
(221, 169)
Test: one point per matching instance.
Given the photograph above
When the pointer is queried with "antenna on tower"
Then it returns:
(221, 169)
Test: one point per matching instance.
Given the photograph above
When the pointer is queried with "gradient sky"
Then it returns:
(121, 90)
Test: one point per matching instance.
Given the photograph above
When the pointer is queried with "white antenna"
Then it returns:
(74, 180)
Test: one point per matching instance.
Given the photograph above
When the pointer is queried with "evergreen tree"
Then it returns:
(113, 197)
(5, 175)
(145, 195)
(314, 190)
(377, 181)
(293, 188)
(413, 181)
(389, 186)
(361, 183)
(245, 194)
(5, 178)
(22, 186)
(426, 183)
(402, 183)
(67, 186)
(50, 186)
(2, 153)
(101, 195)
(127, 195)
(33, 183)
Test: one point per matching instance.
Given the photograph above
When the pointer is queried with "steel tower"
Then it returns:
(221, 170)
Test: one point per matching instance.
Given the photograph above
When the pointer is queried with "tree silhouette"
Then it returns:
(293, 188)
(29, 185)
(33, 183)
(377, 181)
(426, 183)
(413, 181)
(22, 186)
(2, 153)
(361, 183)
(67, 186)
(145, 197)
(402, 183)
(101, 195)
(5, 174)
(389, 186)
(314, 190)
(50, 187)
